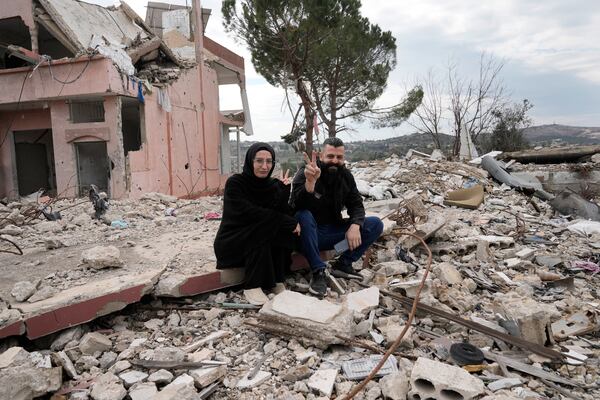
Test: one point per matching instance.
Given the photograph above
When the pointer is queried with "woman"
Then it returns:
(257, 230)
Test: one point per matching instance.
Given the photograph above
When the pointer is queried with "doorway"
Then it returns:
(34, 160)
(92, 166)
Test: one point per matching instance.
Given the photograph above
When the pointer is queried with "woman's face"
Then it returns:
(263, 161)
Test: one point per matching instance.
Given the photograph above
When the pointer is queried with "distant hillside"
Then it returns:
(542, 135)
(547, 134)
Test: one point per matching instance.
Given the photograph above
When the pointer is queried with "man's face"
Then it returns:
(332, 156)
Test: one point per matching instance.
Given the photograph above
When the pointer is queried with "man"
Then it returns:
(320, 191)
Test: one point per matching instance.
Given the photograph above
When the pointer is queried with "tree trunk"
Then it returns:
(308, 114)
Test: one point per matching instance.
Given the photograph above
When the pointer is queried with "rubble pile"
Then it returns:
(508, 311)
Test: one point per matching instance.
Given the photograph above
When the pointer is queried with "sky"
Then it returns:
(550, 50)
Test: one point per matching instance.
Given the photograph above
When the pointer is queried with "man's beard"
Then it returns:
(333, 172)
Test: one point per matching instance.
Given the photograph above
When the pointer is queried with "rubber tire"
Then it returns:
(466, 354)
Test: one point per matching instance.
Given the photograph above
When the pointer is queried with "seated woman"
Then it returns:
(257, 230)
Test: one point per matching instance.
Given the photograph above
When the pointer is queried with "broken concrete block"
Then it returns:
(26, 382)
(93, 342)
(23, 290)
(513, 262)
(433, 379)
(169, 285)
(297, 305)
(44, 293)
(61, 359)
(53, 243)
(102, 257)
(393, 268)
(202, 355)
(363, 300)
(108, 387)
(410, 287)
(525, 253)
(66, 336)
(13, 356)
(181, 388)
(317, 322)
(173, 354)
(322, 381)
(205, 376)
(11, 230)
(448, 274)
(394, 386)
(505, 383)
(143, 391)
(484, 253)
(130, 378)
(576, 324)
(258, 379)
(161, 376)
(532, 318)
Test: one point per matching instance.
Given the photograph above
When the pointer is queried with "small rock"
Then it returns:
(23, 290)
(161, 376)
(363, 300)
(323, 381)
(102, 257)
(108, 387)
(44, 293)
(11, 230)
(505, 383)
(258, 379)
(394, 386)
(130, 378)
(297, 373)
(94, 342)
(168, 354)
(143, 391)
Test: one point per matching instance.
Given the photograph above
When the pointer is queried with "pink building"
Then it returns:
(94, 95)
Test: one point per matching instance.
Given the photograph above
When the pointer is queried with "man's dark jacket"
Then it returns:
(331, 195)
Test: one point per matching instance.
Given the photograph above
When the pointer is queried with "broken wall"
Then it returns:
(180, 155)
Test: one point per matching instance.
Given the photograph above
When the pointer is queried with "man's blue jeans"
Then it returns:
(315, 238)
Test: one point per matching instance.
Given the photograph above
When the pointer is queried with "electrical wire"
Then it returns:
(47, 58)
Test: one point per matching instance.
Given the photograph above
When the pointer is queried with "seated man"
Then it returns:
(320, 191)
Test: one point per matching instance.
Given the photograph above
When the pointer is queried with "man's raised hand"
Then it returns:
(312, 172)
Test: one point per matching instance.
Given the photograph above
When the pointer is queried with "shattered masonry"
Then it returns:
(95, 95)
(511, 276)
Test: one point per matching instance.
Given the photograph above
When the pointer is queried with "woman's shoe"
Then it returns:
(255, 296)
(279, 287)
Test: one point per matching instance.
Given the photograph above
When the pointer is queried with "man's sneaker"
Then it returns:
(338, 265)
(318, 283)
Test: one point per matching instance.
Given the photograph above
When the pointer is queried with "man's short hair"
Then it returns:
(333, 141)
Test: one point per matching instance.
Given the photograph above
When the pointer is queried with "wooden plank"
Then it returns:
(528, 369)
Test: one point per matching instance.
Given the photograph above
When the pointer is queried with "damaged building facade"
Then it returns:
(95, 95)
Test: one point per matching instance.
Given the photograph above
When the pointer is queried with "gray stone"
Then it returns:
(100, 257)
(60, 358)
(13, 356)
(108, 387)
(505, 383)
(85, 363)
(301, 314)
(168, 354)
(448, 274)
(143, 391)
(205, 376)
(322, 381)
(393, 268)
(363, 300)
(181, 388)
(297, 305)
(93, 342)
(107, 359)
(26, 382)
(394, 386)
(161, 376)
(297, 373)
(67, 336)
(130, 378)
(11, 230)
(53, 243)
(23, 290)
(44, 293)
(258, 379)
